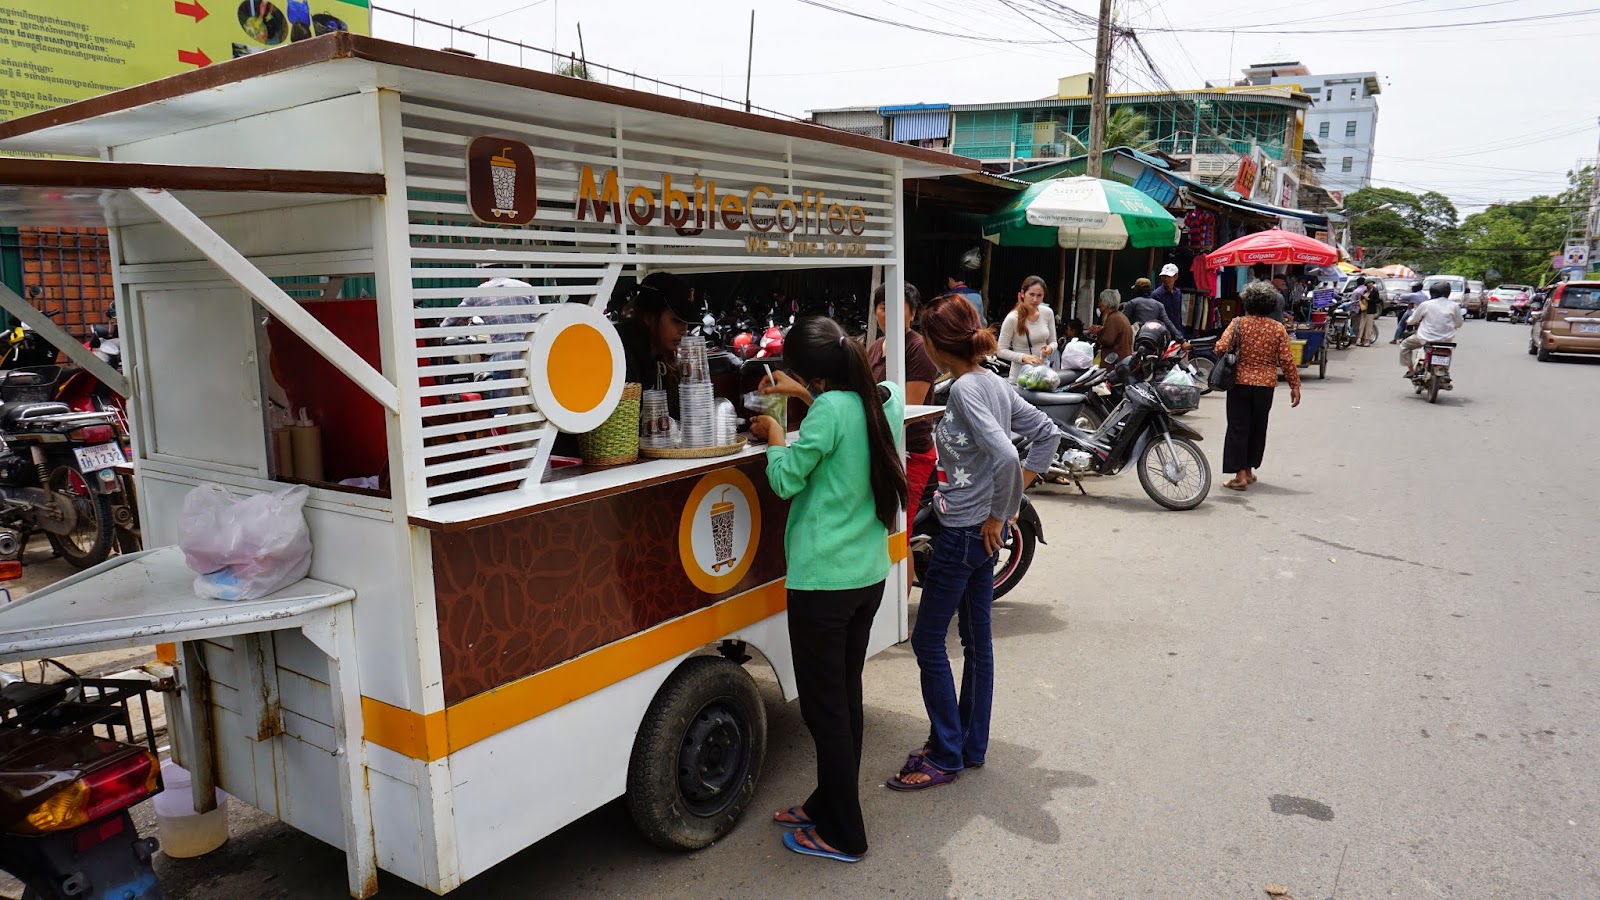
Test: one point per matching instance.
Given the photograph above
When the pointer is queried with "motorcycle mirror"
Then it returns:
(1109, 360)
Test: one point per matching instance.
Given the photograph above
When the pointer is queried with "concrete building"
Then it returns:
(1343, 117)
(1205, 132)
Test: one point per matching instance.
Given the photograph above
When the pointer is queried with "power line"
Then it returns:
(1442, 26)
(933, 31)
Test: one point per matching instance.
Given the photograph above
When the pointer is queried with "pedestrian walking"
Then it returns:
(920, 376)
(1028, 334)
(979, 495)
(1371, 305)
(1114, 334)
(1168, 295)
(845, 482)
(1263, 348)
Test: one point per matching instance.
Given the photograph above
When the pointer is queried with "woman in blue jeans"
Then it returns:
(980, 492)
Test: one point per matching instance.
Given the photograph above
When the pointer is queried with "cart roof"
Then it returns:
(86, 193)
(340, 64)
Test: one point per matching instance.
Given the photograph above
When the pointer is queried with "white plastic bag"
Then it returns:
(1077, 354)
(1038, 378)
(244, 549)
(1179, 377)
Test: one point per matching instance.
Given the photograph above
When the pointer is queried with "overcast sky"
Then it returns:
(1496, 111)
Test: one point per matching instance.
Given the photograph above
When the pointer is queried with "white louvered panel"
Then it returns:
(475, 330)
(471, 406)
(452, 312)
(470, 485)
(439, 352)
(500, 365)
(515, 420)
(476, 387)
(486, 461)
(509, 439)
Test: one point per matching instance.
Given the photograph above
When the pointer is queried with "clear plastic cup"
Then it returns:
(774, 405)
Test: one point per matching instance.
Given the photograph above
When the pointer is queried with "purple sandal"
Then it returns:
(936, 777)
(922, 753)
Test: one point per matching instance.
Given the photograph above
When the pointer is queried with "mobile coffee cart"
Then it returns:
(482, 653)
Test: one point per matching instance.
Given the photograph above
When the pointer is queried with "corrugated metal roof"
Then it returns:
(912, 107)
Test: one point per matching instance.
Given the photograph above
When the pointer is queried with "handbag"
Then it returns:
(1226, 371)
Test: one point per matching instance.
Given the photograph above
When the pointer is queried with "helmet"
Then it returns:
(1439, 289)
(1151, 338)
(772, 341)
(741, 344)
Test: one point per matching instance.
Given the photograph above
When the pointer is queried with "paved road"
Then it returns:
(1373, 675)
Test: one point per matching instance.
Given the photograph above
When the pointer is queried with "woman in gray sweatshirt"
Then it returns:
(979, 495)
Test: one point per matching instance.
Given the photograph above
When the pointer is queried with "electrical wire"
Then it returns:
(933, 31)
(1386, 29)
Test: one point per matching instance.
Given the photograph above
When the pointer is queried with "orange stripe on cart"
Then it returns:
(436, 735)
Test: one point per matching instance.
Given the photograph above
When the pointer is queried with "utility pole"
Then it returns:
(749, 60)
(582, 53)
(1097, 98)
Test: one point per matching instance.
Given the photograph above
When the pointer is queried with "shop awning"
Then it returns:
(923, 122)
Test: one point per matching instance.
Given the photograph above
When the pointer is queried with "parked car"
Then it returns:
(1458, 291)
(1502, 300)
(1393, 290)
(1569, 323)
(1478, 297)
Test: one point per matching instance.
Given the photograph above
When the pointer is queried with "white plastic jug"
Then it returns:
(184, 832)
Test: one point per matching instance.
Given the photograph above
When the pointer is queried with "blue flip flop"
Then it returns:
(791, 839)
(798, 814)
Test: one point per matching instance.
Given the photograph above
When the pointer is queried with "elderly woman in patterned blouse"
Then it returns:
(1263, 348)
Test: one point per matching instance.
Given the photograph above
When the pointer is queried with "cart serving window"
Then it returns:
(407, 313)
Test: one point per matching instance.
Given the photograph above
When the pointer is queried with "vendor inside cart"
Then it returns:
(653, 325)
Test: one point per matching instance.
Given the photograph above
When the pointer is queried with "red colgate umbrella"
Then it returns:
(1273, 248)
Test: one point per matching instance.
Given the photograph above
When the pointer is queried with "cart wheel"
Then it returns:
(1322, 363)
(698, 754)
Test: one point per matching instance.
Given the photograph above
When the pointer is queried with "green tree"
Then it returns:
(1125, 128)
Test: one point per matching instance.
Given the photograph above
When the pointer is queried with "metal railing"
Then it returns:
(427, 32)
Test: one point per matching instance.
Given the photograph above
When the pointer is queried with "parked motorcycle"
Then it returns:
(58, 473)
(1011, 563)
(1172, 470)
(1341, 324)
(1430, 368)
(66, 784)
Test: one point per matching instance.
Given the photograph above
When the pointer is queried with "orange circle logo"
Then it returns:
(720, 531)
(577, 356)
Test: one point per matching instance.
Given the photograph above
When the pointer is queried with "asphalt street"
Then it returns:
(1371, 675)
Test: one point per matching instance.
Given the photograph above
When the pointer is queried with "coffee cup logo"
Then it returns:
(720, 531)
(502, 184)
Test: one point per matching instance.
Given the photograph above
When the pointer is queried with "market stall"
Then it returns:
(478, 630)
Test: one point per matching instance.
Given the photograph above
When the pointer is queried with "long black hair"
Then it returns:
(816, 347)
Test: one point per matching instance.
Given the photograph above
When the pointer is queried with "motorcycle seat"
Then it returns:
(1041, 398)
(18, 410)
(1439, 344)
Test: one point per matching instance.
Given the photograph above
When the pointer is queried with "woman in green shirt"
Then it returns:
(843, 476)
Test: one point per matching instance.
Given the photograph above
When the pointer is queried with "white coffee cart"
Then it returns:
(484, 651)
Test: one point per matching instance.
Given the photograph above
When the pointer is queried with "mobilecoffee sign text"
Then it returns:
(700, 206)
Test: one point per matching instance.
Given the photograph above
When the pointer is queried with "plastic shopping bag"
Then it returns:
(1038, 378)
(1177, 376)
(247, 548)
(1077, 354)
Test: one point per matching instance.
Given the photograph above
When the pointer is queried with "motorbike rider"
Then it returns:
(1436, 319)
(1145, 308)
(1416, 298)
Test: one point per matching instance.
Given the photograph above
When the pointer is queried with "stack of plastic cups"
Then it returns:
(655, 422)
(697, 411)
(727, 423)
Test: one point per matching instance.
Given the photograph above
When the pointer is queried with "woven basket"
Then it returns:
(696, 452)
(616, 441)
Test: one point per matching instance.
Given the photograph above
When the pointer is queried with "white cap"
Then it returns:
(1169, 270)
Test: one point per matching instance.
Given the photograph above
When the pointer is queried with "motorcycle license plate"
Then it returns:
(100, 456)
(1442, 361)
(1586, 329)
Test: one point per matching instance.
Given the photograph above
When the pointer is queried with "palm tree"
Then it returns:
(1125, 128)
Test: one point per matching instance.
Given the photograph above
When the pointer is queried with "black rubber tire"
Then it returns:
(705, 692)
(1150, 488)
(102, 530)
(1009, 571)
(1433, 389)
(1322, 363)
(1543, 353)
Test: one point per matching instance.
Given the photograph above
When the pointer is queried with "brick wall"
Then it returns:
(65, 272)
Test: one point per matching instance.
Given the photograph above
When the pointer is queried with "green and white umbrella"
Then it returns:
(1084, 213)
